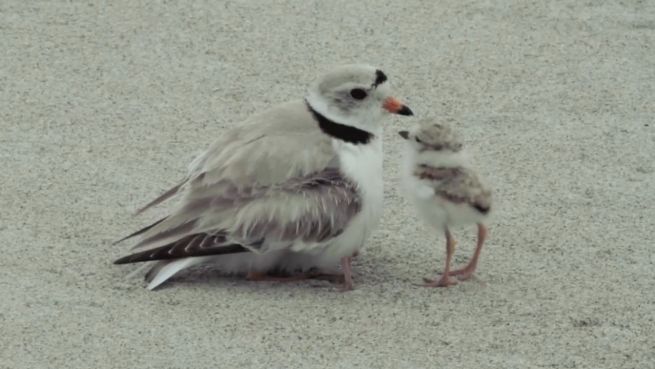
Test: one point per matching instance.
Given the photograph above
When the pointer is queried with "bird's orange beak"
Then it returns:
(394, 106)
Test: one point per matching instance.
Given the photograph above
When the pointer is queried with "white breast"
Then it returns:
(363, 165)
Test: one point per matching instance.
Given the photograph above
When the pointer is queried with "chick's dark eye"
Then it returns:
(358, 94)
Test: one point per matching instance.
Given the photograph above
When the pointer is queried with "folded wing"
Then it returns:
(270, 184)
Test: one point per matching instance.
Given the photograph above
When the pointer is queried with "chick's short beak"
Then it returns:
(393, 105)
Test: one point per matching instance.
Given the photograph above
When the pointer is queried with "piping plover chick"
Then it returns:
(446, 192)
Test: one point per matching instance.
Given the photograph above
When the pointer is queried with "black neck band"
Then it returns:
(340, 131)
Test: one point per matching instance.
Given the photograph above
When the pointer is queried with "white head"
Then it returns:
(356, 95)
(434, 144)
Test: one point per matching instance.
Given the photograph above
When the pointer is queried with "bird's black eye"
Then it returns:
(358, 94)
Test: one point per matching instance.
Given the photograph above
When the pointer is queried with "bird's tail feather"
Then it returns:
(163, 197)
(140, 231)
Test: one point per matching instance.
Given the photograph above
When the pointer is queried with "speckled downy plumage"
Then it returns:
(446, 192)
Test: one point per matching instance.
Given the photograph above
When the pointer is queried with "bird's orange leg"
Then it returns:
(346, 266)
(467, 272)
(445, 279)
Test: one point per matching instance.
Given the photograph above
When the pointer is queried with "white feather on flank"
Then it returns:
(170, 268)
(138, 270)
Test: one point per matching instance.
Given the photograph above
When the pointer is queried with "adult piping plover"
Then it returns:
(294, 188)
(445, 191)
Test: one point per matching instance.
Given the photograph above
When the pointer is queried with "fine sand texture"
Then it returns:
(103, 104)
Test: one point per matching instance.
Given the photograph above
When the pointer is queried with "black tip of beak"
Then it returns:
(405, 111)
(404, 134)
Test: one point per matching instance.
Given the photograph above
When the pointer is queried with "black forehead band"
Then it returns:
(380, 78)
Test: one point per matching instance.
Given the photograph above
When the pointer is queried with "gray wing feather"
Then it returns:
(163, 197)
(304, 211)
(310, 210)
(457, 184)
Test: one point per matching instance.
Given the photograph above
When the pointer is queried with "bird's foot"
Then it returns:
(463, 274)
(327, 276)
(346, 286)
(444, 281)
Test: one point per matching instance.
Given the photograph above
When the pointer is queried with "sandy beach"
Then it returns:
(102, 106)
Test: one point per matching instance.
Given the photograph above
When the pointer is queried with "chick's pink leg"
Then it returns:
(467, 272)
(444, 280)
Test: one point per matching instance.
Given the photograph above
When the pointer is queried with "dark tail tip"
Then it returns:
(482, 208)
(123, 260)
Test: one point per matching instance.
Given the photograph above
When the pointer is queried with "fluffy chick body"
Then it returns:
(438, 181)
